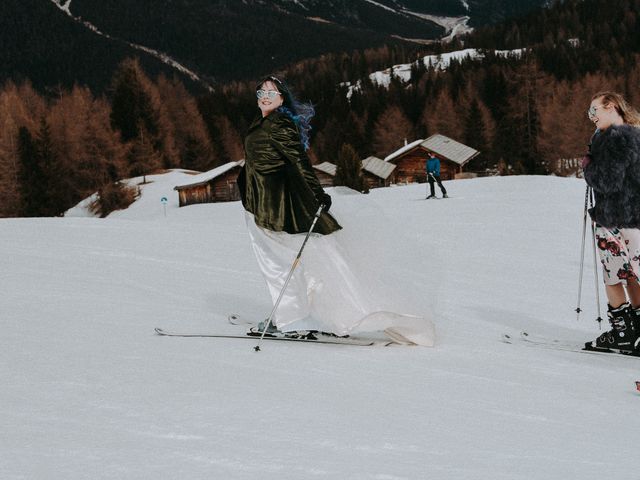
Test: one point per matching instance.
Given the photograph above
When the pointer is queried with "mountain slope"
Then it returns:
(219, 40)
(86, 380)
(42, 44)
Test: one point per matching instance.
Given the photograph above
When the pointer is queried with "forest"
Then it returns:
(525, 112)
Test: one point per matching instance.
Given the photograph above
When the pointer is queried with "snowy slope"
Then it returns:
(89, 392)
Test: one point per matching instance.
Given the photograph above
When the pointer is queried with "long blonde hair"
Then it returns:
(629, 114)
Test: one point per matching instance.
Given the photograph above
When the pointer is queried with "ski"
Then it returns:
(323, 340)
(542, 342)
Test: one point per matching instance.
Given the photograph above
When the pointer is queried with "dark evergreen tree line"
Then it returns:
(523, 112)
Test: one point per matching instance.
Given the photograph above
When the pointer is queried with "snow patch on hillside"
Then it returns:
(435, 62)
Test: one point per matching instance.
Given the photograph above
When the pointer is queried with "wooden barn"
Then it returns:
(377, 172)
(217, 185)
(326, 172)
(410, 160)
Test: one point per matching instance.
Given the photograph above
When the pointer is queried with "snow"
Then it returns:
(403, 149)
(381, 6)
(89, 391)
(211, 174)
(453, 26)
(436, 62)
(63, 5)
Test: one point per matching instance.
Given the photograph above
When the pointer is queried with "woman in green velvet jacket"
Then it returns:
(277, 184)
(281, 195)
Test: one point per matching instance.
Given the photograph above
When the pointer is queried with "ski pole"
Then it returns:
(595, 264)
(584, 234)
(293, 267)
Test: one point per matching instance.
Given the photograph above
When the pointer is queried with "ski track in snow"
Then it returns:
(89, 391)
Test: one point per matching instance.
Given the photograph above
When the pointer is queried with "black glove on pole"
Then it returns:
(325, 200)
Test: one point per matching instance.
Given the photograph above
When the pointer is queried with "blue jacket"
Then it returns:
(433, 166)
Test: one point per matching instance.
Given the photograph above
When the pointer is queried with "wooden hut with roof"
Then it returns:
(326, 172)
(217, 185)
(410, 160)
(377, 173)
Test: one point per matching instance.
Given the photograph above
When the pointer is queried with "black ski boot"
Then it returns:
(635, 322)
(622, 336)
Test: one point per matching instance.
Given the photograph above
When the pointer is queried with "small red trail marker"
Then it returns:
(638, 386)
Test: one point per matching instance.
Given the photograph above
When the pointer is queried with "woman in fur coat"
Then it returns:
(612, 170)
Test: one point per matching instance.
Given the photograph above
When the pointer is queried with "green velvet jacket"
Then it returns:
(277, 184)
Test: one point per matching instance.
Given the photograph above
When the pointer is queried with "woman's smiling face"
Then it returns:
(269, 98)
(603, 115)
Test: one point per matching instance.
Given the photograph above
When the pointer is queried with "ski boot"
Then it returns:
(272, 330)
(622, 336)
(635, 322)
(445, 195)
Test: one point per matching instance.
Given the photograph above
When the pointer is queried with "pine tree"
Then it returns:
(136, 105)
(186, 126)
(349, 169)
(20, 106)
(475, 136)
(131, 104)
(391, 131)
(143, 158)
(52, 182)
(32, 181)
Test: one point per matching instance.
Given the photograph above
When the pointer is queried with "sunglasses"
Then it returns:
(271, 94)
(593, 111)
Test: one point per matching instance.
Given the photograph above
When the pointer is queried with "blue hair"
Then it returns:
(301, 116)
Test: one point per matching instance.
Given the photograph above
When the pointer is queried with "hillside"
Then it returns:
(90, 392)
(62, 42)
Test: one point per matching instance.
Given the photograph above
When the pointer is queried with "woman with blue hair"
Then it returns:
(281, 196)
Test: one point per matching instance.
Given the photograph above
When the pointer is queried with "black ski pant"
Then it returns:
(435, 179)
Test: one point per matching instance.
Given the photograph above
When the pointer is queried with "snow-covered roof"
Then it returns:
(373, 165)
(448, 148)
(378, 167)
(402, 150)
(326, 167)
(442, 146)
(206, 177)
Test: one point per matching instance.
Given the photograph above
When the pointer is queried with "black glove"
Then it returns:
(325, 200)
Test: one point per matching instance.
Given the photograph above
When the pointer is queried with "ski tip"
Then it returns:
(159, 331)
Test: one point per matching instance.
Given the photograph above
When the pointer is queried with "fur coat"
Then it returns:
(614, 174)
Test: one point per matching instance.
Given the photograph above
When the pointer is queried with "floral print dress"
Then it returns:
(619, 250)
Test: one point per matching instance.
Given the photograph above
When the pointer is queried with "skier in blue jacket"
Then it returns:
(433, 176)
